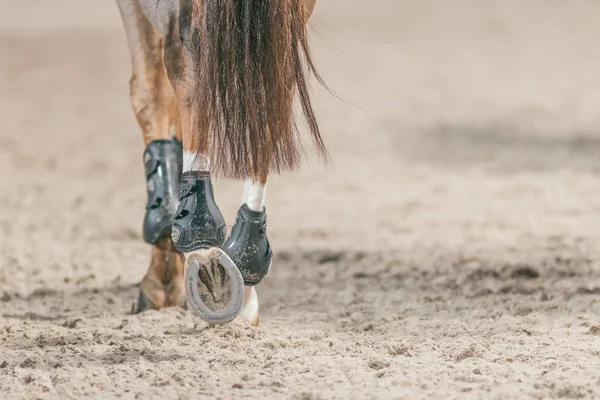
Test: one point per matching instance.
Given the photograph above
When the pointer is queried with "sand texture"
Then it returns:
(452, 249)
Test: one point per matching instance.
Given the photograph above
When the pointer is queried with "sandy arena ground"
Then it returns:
(452, 250)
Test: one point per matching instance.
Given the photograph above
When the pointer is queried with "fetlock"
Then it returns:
(163, 284)
(198, 222)
(162, 162)
(248, 246)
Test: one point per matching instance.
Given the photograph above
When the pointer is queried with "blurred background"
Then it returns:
(465, 145)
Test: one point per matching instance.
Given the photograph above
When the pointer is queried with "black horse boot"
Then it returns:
(162, 161)
(198, 222)
(248, 246)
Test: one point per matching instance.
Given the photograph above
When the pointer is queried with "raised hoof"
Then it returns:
(214, 286)
(144, 304)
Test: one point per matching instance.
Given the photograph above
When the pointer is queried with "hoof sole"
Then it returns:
(214, 286)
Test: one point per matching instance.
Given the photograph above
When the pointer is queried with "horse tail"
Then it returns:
(252, 57)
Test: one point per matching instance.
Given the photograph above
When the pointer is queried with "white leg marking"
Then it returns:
(254, 195)
(250, 308)
(193, 161)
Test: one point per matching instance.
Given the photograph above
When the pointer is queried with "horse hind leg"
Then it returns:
(213, 282)
(249, 247)
(157, 113)
(214, 285)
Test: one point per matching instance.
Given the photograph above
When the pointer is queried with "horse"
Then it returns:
(212, 88)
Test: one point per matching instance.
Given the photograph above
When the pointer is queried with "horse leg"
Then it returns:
(157, 113)
(248, 245)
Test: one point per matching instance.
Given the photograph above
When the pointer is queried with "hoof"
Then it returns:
(144, 304)
(214, 286)
(249, 312)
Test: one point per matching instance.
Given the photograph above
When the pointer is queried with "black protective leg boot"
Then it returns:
(198, 221)
(162, 162)
(248, 246)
